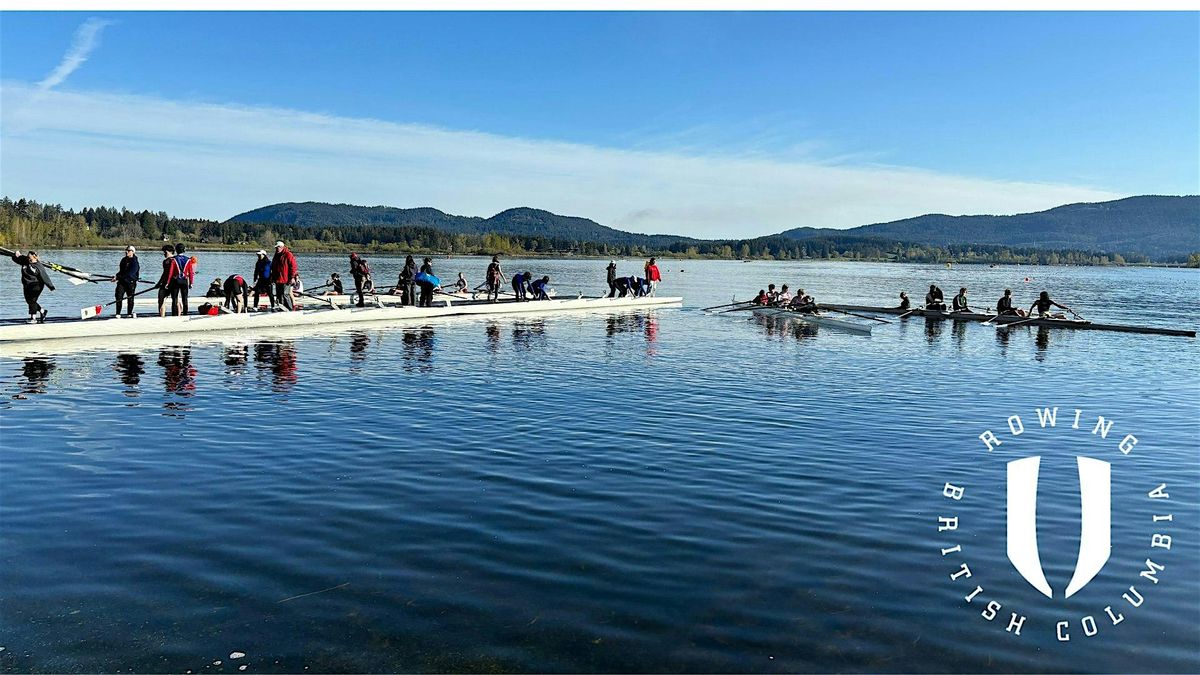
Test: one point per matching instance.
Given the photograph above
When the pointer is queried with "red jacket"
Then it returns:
(283, 267)
(652, 273)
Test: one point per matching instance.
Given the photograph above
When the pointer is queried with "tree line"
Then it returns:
(28, 223)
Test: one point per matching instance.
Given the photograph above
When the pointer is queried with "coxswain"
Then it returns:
(283, 272)
(262, 278)
(520, 286)
(126, 278)
(612, 278)
(334, 285)
(236, 292)
(34, 279)
(934, 298)
(784, 297)
(653, 276)
(1004, 305)
(960, 301)
(904, 302)
(216, 289)
(1043, 305)
(762, 298)
(538, 288)
(493, 278)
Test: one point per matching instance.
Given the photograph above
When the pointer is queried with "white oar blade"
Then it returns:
(89, 312)
(76, 280)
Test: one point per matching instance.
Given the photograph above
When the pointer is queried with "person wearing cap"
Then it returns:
(426, 299)
(34, 279)
(612, 278)
(653, 276)
(126, 280)
(216, 289)
(262, 278)
(283, 272)
(495, 277)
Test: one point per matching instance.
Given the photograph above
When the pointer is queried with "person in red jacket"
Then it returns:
(283, 272)
(653, 276)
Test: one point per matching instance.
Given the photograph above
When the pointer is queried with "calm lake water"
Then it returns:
(642, 491)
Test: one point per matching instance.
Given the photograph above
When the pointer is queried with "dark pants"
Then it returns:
(283, 296)
(32, 291)
(493, 290)
(179, 297)
(358, 288)
(623, 288)
(125, 290)
(612, 289)
(519, 291)
(410, 293)
(426, 294)
(263, 287)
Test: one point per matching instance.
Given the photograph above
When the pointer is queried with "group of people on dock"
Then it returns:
(935, 300)
(621, 286)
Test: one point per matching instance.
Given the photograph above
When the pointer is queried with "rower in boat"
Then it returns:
(960, 301)
(1043, 305)
(934, 299)
(236, 292)
(34, 279)
(904, 302)
(334, 285)
(538, 288)
(762, 298)
(804, 303)
(1004, 306)
(262, 278)
(460, 286)
(521, 286)
(772, 294)
(216, 289)
(784, 297)
(126, 278)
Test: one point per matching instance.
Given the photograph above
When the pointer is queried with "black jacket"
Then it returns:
(32, 273)
(129, 269)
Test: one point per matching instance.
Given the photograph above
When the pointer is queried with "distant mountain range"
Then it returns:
(1161, 227)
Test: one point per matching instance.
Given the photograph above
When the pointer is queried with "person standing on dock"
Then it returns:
(427, 281)
(960, 301)
(653, 276)
(180, 270)
(283, 272)
(612, 278)
(34, 280)
(1004, 306)
(406, 283)
(362, 275)
(494, 277)
(126, 279)
(262, 279)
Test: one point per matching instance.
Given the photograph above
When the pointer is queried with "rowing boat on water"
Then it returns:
(1008, 319)
(814, 319)
(344, 300)
(55, 329)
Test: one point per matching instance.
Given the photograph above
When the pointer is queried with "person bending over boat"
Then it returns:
(639, 286)
(960, 301)
(283, 271)
(904, 302)
(621, 284)
(934, 299)
(520, 286)
(126, 278)
(262, 279)
(34, 280)
(1004, 306)
(236, 292)
(1043, 305)
(216, 289)
(538, 288)
(494, 277)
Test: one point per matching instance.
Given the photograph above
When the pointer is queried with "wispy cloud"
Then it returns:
(87, 38)
(217, 160)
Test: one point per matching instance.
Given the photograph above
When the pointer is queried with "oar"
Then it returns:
(861, 316)
(728, 305)
(331, 303)
(740, 309)
(909, 313)
(1006, 326)
(89, 312)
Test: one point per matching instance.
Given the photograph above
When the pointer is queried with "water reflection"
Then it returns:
(959, 333)
(359, 342)
(236, 359)
(491, 334)
(36, 373)
(279, 359)
(129, 369)
(528, 334)
(418, 350)
(1043, 342)
(179, 378)
(933, 330)
(645, 324)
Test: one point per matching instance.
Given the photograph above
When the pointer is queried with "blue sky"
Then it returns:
(715, 124)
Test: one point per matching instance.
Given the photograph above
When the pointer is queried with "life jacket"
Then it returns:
(183, 269)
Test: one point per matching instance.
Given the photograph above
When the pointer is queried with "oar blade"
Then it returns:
(89, 312)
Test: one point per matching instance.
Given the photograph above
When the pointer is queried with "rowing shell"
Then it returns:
(814, 319)
(302, 301)
(155, 325)
(1012, 318)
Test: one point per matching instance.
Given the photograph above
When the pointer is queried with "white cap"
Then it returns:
(131, 248)
(261, 252)
(279, 244)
